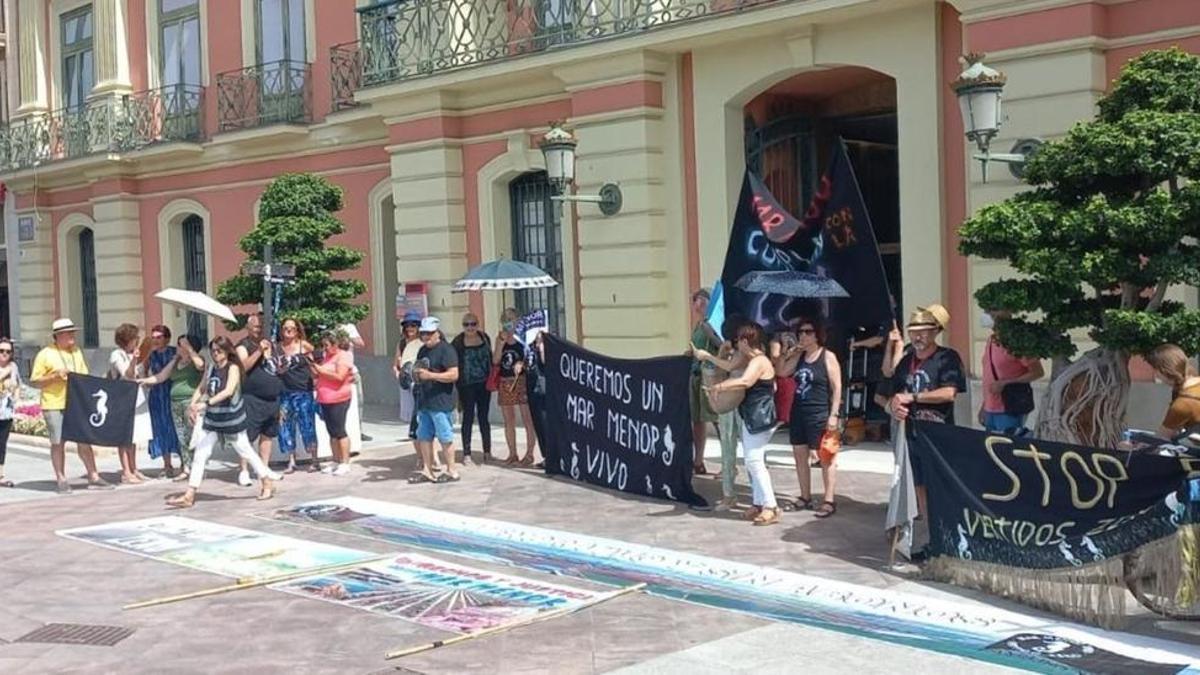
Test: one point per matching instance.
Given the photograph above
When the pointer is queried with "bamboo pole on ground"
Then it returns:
(257, 582)
(536, 618)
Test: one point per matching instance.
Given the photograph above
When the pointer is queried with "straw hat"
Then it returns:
(62, 326)
(932, 316)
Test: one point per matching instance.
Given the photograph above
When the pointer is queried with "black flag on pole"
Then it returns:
(99, 411)
(834, 239)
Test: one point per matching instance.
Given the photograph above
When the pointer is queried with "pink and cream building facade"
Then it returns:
(141, 134)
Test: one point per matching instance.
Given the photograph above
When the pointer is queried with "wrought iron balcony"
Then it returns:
(412, 38)
(279, 92)
(345, 68)
(110, 125)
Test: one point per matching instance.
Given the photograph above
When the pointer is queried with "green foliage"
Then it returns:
(1113, 216)
(296, 218)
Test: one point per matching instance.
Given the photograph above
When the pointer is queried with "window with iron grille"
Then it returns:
(193, 272)
(87, 280)
(537, 240)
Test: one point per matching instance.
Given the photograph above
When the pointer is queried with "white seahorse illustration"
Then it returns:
(964, 549)
(649, 486)
(101, 415)
(1070, 557)
(667, 489)
(669, 446)
(1097, 554)
(574, 461)
(1176, 508)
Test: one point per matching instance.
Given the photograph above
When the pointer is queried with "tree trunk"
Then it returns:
(1085, 402)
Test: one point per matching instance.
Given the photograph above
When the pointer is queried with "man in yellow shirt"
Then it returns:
(50, 370)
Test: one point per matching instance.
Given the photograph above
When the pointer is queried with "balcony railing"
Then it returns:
(345, 68)
(279, 92)
(411, 39)
(107, 125)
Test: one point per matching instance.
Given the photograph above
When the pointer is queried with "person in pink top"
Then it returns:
(333, 370)
(1000, 369)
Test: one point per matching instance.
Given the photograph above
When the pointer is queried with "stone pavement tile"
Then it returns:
(780, 648)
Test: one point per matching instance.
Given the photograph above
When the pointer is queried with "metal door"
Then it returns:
(537, 240)
(193, 272)
(87, 278)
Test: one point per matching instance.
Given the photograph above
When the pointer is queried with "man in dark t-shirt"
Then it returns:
(261, 387)
(435, 372)
(925, 382)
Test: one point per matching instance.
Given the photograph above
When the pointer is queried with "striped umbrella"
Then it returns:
(504, 275)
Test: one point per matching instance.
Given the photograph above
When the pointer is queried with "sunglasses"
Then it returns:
(6, 351)
(470, 324)
(807, 331)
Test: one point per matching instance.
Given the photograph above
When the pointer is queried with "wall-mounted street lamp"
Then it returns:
(979, 90)
(558, 148)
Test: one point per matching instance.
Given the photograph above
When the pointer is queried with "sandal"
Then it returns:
(267, 493)
(826, 509)
(511, 459)
(448, 478)
(182, 501)
(527, 460)
(798, 504)
(700, 469)
(752, 512)
(181, 477)
(5, 483)
(419, 477)
(767, 517)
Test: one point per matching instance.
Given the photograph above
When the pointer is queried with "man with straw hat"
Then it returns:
(926, 380)
(50, 370)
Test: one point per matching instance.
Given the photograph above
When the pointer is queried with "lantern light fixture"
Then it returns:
(558, 149)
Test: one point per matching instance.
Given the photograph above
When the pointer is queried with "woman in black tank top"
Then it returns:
(757, 412)
(817, 376)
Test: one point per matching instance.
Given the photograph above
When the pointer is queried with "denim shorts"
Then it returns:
(1003, 423)
(434, 424)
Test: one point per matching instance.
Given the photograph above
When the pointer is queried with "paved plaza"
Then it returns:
(47, 579)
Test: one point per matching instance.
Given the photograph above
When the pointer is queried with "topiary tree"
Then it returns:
(1112, 221)
(296, 217)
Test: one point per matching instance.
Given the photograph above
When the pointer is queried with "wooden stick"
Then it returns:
(536, 618)
(253, 582)
(895, 543)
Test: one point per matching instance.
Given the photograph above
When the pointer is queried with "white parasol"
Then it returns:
(195, 301)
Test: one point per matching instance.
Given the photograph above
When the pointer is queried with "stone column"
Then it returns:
(111, 43)
(431, 231)
(118, 265)
(632, 265)
(36, 292)
(31, 57)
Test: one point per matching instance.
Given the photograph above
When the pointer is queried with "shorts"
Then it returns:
(512, 391)
(334, 415)
(1003, 423)
(434, 424)
(807, 425)
(299, 419)
(702, 412)
(54, 425)
(262, 417)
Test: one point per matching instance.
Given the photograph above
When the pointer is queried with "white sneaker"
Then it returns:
(244, 479)
(329, 468)
(275, 476)
(341, 470)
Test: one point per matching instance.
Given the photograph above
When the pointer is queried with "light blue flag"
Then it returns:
(716, 309)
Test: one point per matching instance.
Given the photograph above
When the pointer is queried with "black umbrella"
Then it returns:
(792, 284)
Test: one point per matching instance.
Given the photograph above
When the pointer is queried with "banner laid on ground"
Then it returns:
(99, 411)
(1053, 519)
(953, 627)
(619, 423)
(438, 594)
(211, 547)
(834, 239)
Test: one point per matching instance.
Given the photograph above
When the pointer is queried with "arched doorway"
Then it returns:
(537, 240)
(184, 244)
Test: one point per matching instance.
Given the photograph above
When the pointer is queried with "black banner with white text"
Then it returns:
(618, 423)
(1034, 504)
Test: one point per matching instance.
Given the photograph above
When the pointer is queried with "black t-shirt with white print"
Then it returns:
(943, 368)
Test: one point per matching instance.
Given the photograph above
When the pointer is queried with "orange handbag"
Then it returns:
(831, 443)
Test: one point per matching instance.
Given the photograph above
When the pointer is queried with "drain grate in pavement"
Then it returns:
(77, 634)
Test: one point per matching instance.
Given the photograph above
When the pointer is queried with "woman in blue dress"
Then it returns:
(162, 359)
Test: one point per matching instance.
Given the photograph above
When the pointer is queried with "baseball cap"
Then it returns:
(411, 316)
(430, 324)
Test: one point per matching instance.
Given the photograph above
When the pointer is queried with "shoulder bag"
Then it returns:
(1017, 397)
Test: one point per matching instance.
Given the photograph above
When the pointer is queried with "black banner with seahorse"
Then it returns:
(99, 411)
